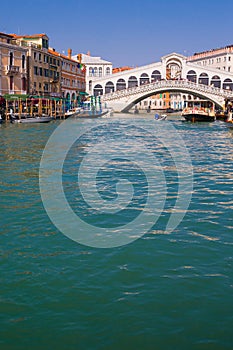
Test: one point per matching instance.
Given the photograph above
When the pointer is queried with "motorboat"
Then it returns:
(30, 119)
(73, 112)
(199, 111)
(160, 117)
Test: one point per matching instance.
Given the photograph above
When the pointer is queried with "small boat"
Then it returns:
(93, 114)
(160, 117)
(73, 112)
(30, 119)
(88, 110)
(199, 111)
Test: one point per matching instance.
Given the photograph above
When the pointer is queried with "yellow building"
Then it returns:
(43, 67)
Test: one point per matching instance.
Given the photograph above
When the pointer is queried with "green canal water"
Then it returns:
(148, 289)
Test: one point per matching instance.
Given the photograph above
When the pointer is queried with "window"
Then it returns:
(11, 58)
(107, 71)
(24, 83)
(34, 55)
(11, 82)
(45, 43)
(23, 63)
(35, 70)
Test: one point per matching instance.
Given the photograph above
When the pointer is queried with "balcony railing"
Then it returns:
(13, 69)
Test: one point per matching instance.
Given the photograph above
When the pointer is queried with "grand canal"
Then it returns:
(150, 289)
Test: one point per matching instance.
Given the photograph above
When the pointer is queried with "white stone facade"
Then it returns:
(221, 58)
(96, 68)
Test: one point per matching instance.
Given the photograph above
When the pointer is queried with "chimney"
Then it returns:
(79, 58)
(88, 53)
(69, 53)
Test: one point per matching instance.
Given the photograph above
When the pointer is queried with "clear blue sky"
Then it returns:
(125, 32)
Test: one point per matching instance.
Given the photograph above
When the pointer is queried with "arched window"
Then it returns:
(192, 76)
(68, 96)
(132, 82)
(156, 75)
(23, 61)
(107, 71)
(227, 84)
(73, 96)
(144, 79)
(121, 84)
(95, 72)
(91, 71)
(98, 90)
(203, 79)
(100, 71)
(11, 58)
(216, 81)
(109, 87)
(90, 85)
(24, 88)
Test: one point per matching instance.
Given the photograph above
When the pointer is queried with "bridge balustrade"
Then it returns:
(162, 84)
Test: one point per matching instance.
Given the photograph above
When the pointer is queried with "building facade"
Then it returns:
(73, 81)
(43, 66)
(220, 58)
(13, 66)
(95, 67)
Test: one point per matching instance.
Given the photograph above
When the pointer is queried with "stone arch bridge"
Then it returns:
(174, 73)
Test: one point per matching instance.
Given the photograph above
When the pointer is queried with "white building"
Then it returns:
(96, 67)
(221, 58)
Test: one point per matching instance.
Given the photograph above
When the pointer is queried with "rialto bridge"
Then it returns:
(173, 73)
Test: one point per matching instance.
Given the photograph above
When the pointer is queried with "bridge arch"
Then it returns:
(191, 95)
(203, 79)
(98, 90)
(132, 82)
(192, 76)
(121, 84)
(216, 81)
(227, 84)
(156, 76)
(109, 87)
(144, 78)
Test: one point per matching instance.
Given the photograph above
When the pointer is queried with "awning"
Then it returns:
(83, 93)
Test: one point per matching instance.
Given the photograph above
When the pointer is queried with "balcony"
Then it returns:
(12, 70)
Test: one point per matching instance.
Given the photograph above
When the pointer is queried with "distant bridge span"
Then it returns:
(124, 100)
(173, 73)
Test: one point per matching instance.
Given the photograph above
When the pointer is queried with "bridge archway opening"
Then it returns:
(173, 68)
(216, 81)
(144, 79)
(98, 90)
(109, 87)
(132, 82)
(227, 84)
(203, 79)
(192, 76)
(121, 84)
(156, 76)
(191, 95)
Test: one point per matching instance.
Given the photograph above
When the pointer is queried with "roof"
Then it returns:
(30, 36)
(55, 53)
(87, 59)
(6, 35)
